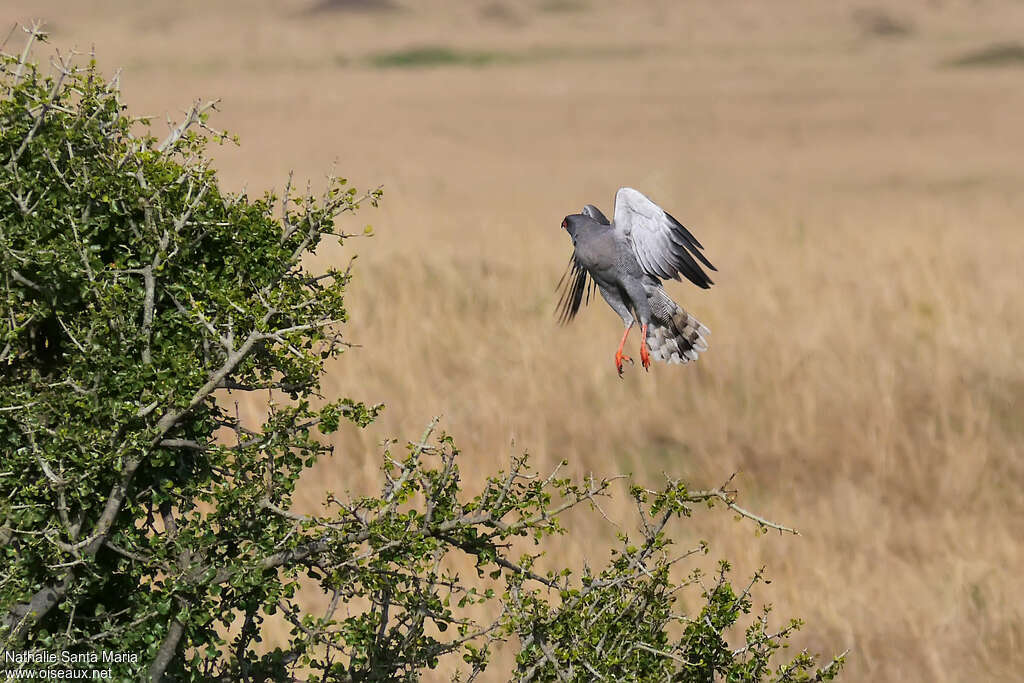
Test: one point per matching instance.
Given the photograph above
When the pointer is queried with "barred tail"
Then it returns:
(674, 336)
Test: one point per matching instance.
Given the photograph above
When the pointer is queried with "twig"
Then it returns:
(34, 32)
(64, 69)
(191, 117)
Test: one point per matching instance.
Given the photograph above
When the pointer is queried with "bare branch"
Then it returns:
(182, 443)
(192, 117)
(728, 497)
(146, 410)
(165, 654)
(147, 313)
(64, 327)
(64, 69)
(21, 618)
(145, 559)
(34, 32)
(170, 525)
(18, 407)
(550, 656)
(276, 334)
(18, 277)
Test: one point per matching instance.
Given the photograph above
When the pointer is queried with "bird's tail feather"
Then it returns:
(674, 336)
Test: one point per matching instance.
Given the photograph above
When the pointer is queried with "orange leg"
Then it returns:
(645, 357)
(618, 354)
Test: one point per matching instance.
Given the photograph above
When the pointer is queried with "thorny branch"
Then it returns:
(728, 496)
(192, 117)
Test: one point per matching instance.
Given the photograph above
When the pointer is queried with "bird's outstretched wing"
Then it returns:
(574, 284)
(663, 247)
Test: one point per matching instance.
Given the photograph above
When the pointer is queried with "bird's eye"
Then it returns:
(565, 223)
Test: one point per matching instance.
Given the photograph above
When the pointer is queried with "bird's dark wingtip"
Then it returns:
(573, 285)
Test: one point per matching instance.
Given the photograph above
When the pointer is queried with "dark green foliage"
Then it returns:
(138, 514)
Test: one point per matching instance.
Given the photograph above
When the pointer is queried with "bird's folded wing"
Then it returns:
(595, 213)
(663, 247)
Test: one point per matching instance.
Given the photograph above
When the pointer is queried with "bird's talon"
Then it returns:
(645, 356)
(618, 362)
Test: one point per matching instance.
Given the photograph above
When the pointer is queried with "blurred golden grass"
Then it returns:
(863, 378)
(862, 204)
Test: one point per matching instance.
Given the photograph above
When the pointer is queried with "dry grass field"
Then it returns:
(858, 189)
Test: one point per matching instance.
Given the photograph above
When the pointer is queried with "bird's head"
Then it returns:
(571, 224)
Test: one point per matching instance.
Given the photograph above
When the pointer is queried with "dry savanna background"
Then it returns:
(854, 170)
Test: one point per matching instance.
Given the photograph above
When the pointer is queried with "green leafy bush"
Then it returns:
(139, 516)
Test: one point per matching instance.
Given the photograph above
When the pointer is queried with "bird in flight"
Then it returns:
(627, 259)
